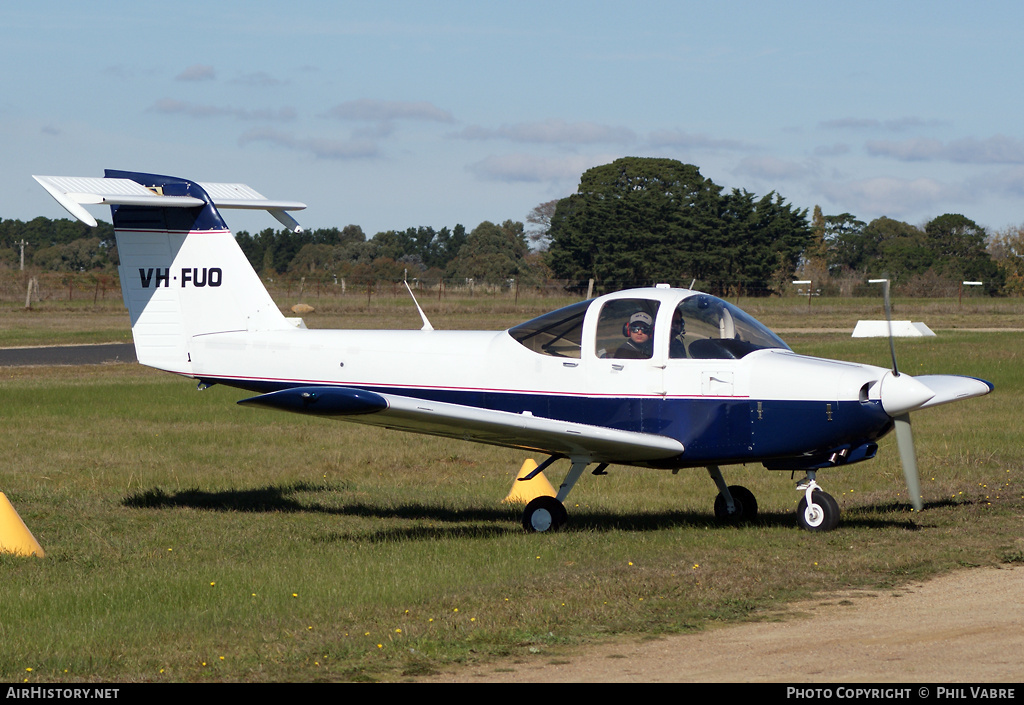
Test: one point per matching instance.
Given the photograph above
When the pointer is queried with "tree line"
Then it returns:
(635, 221)
(929, 261)
(490, 253)
(658, 220)
(651, 220)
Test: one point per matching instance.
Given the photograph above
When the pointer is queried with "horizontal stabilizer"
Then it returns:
(72, 192)
(321, 401)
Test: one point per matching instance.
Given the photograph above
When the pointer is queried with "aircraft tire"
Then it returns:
(544, 514)
(746, 505)
(822, 515)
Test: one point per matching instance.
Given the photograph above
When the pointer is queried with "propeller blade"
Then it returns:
(905, 442)
(888, 318)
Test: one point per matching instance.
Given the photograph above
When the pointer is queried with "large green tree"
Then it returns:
(640, 220)
(491, 253)
(899, 249)
(1006, 247)
(960, 251)
(635, 220)
(844, 242)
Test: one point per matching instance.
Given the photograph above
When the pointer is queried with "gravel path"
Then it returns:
(965, 627)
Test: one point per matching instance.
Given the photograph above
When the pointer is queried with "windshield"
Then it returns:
(559, 333)
(711, 328)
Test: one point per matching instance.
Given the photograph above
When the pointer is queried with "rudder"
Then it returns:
(182, 273)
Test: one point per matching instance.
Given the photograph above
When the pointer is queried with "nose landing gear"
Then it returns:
(818, 510)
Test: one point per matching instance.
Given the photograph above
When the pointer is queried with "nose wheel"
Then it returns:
(818, 510)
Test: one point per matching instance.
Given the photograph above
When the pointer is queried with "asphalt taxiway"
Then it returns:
(68, 355)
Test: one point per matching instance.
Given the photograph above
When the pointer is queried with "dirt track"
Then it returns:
(966, 627)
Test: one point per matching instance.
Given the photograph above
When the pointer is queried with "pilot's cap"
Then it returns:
(641, 317)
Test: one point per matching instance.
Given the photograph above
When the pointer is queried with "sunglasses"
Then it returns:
(640, 328)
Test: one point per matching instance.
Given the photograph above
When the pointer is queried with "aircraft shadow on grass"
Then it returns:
(475, 522)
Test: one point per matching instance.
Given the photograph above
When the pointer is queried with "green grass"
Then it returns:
(190, 539)
(55, 322)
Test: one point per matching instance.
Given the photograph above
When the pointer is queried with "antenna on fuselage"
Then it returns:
(426, 323)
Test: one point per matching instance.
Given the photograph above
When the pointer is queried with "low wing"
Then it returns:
(501, 428)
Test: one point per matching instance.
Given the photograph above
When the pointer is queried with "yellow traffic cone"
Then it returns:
(524, 492)
(14, 535)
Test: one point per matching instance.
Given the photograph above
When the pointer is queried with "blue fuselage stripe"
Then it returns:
(712, 429)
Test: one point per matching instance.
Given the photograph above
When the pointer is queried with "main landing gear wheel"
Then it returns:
(744, 505)
(544, 514)
(821, 515)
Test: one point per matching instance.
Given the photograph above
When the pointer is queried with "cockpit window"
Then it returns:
(559, 333)
(705, 327)
(625, 329)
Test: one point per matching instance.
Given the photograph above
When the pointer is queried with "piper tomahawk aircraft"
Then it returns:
(655, 377)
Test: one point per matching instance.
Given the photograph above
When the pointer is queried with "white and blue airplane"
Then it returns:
(654, 377)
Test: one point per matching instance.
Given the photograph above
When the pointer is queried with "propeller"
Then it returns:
(898, 397)
(908, 456)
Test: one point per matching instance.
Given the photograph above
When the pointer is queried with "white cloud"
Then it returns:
(170, 106)
(832, 150)
(897, 198)
(321, 148)
(998, 149)
(528, 168)
(551, 131)
(383, 110)
(260, 79)
(197, 72)
(773, 168)
(1005, 182)
(686, 140)
(906, 151)
(896, 125)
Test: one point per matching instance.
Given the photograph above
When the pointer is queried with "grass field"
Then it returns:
(189, 539)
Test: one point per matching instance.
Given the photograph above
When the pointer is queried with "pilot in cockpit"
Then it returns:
(639, 333)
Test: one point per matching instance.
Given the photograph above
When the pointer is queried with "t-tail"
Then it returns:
(182, 273)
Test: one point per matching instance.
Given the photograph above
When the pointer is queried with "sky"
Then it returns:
(393, 114)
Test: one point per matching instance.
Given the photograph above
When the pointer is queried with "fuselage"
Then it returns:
(755, 401)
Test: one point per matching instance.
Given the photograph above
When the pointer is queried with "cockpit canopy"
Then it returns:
(700, 327)
(558, 333)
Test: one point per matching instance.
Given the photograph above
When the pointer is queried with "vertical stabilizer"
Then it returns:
(183, 275)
